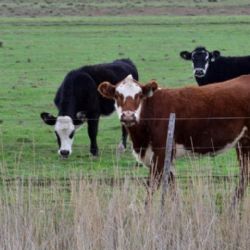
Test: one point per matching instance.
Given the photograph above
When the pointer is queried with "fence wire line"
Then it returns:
(35, 143)
(141, 119)
(110, 147)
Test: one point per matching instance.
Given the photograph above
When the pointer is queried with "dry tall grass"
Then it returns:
(87, 215)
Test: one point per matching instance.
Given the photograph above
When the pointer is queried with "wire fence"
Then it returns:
(110, 147)
(111, 181)
(29, 148)
(25, 124)
(142, 119)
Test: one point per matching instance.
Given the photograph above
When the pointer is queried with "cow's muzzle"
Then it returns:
(199, 72)
(128, 118)
(64, 154)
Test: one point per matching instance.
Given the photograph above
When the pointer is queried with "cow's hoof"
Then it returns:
(94, 152)
(121, 149)
(94, 157)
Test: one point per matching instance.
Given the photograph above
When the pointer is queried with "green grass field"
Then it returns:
(37, 53)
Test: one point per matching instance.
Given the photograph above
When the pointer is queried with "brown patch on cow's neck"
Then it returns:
(140, 138)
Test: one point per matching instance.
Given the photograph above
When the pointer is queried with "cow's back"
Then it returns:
(77, 93)
(235, 92)
(79, 88)
(111, 72)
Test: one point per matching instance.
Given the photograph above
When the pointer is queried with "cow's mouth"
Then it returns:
(128, 120)
(128, 123)
(64, 157)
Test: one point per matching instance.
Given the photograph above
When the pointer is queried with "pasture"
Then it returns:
(35, 55)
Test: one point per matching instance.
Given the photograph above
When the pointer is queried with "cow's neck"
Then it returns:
(67, 109)
(140, 137)
(209, 77)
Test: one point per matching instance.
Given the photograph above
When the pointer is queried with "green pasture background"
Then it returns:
(36, 53)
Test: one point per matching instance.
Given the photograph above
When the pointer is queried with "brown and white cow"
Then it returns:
(209, 120)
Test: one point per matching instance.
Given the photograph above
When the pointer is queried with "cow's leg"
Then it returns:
(123, 144)
(243, 154)
(92, 132)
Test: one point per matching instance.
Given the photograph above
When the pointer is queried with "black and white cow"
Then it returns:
(78, 100)
(211, 67)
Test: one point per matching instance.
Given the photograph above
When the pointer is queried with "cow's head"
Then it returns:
(128, 95)
(65, 128)
(201, 59)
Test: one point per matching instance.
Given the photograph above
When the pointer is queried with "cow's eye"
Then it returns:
(72, 134)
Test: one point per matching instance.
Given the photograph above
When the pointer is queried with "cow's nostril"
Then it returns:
(128, 119)
(64, 153)
(199, 72)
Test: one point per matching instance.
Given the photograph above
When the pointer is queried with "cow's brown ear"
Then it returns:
(107, 90)
(149, 89)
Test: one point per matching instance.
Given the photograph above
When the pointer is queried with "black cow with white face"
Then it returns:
(211, 67)
(78, 100)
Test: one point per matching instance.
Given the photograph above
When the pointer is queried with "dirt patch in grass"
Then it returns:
(35, 10)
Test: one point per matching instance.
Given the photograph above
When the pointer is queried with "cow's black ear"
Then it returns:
(48, 118)
(149, 89)
(107, 90)
(215, 55)
(80, 118)
(185, 55)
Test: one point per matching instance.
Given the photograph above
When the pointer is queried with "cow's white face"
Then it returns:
(128, 101)
(128, 95)
(64, 130)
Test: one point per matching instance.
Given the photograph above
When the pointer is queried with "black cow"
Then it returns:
(78, 100)
(211, 67)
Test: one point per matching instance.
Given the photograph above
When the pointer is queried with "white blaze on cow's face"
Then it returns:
(128, 96)
(64, 129)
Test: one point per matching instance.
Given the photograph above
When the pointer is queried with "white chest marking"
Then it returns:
(147, 158)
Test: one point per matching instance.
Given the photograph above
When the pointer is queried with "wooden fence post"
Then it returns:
(168, 154)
